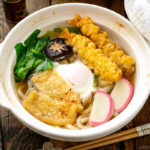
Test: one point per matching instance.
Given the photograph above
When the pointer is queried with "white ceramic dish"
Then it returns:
(119, 30)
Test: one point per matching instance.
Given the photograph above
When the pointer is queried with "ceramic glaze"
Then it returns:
(119, 30)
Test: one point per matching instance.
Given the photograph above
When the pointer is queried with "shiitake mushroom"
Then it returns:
(57, 49)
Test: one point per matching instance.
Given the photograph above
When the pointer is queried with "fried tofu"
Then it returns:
(50, 83)
(53, 85)
(53, 112)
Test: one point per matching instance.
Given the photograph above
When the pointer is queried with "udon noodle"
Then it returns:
(60, 74)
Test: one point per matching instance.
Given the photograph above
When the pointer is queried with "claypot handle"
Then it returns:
(3, 98)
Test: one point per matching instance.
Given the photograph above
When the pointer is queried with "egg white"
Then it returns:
(78, 77)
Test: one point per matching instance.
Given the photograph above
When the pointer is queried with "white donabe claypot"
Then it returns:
(120, 30)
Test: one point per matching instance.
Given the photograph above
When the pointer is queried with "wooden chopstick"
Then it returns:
(114, 140)
(117, 137)
(103, 139)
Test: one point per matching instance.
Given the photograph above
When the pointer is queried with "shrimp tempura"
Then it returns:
(92, 57)
(103, 42)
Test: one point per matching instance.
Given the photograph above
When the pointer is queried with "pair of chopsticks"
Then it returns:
(117, 137)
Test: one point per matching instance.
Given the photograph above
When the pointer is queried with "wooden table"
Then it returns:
(15, 136)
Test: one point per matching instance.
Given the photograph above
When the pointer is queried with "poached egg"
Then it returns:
(78, 77)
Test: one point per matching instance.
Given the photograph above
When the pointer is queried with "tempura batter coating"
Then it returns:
(102, 41)
(92, 57)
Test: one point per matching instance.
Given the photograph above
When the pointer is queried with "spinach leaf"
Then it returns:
(29, 56)
(39, 54)
(47, 64)
(32, 37)
(44, 65)
(41, 43)
(19, 50)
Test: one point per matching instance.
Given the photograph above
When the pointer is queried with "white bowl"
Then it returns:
(119, 30)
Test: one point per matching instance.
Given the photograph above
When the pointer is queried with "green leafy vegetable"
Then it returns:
(29, 56)
(50, 34)
(32, 37)
(55, 33)
(41, 43)
(30, 59)
(39, 54)
(45, 65)
(70, 29)
(95, 81)
(19, 50)
(46, 35)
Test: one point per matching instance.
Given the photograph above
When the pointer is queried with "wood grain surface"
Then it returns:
(17, 137)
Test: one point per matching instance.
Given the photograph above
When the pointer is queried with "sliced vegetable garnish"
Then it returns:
(55, 33)
(95, 81)
(29, 56)
(70, 29)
